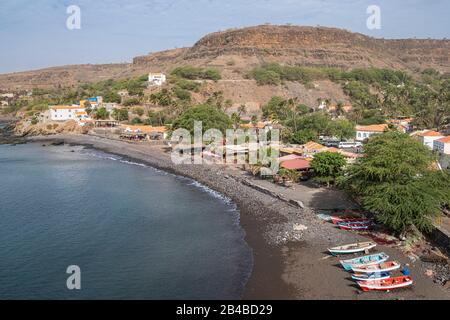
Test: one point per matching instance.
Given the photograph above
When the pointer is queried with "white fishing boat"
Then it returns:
(353, 248)
(377, 268)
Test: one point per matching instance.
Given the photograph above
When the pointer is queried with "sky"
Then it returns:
(34, 33)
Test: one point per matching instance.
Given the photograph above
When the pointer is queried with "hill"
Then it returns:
(237, 51)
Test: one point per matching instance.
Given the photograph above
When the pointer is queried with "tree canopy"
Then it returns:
(211, 118)
(395, 180)
(327, 166)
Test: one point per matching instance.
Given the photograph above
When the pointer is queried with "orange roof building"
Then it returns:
(427, 137)
(144, 129)
(296, 164)
(442, 145)
(365, 132)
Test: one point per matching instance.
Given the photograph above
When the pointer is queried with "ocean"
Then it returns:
(134, 232)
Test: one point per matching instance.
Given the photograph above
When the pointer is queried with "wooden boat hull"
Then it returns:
(387, 284)
(364, 261)
(352, 248)
(354, 226)
(337, 220)
(383, 267)
(371, 276)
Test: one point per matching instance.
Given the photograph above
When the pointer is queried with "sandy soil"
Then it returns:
(288, 264)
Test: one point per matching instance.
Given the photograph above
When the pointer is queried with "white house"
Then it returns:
(7, 95)
(365, 132)
(427, 137)
(156, 79)
(110, 106)
(64, 113)
(442, 145)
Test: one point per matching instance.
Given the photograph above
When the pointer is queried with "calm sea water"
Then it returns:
(135, 232)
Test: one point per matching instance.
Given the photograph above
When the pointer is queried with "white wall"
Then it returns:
(64, 114)
(363, 135)
(428, 141)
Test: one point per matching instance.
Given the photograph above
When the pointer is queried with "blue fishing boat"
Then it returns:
(364, 261)
(371, 276)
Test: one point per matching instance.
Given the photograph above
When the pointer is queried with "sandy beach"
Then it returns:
(288, 264)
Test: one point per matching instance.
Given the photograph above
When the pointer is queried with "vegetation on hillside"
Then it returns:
(302, 124)
(195, 73)
(210, 116)
(376, 94)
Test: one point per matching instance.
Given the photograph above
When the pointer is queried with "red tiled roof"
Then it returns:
(444, 139)
(297, 164)
(429, 133)
(372, 128)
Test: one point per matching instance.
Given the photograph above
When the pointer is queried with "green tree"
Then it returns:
(342, 129)
(303, 136)
(236, 119)
(112, 97)
(210, 116)
(136, 121)
(120, 114)
(102, 114)
(327, 166)
(131, 102)
(394, 181)
(139, 111)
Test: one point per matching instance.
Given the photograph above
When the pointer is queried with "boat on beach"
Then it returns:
(364, 261)
(337, 219)
(355, 226)
(352, 248)
(386, 284)
(377, 268)
(371, 276)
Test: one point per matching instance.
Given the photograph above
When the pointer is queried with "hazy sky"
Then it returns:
(34, 34)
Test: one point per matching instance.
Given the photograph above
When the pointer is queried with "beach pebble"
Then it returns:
(300, 227)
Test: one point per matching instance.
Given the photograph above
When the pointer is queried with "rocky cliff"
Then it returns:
(308, 46)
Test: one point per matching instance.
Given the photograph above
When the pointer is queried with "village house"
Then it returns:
(65, 113)
(7, 95)
(123, 93)
(296, 164)
(110, 106)
(365, 132)
(442, 145)
(346, 108)
(144, 132)
(156, 79)
(406, 123)
(259, 126)
(95, 102)
(311, 148)
(427, 137)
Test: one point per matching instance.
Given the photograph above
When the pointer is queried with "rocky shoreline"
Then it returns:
(7, 135)
(288, 241)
